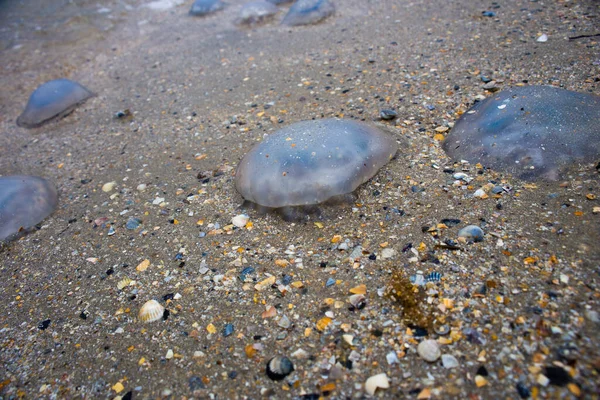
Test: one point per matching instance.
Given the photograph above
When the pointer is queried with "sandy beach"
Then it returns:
(178, 102)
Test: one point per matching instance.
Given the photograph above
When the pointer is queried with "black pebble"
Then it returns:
(168, 296)
(482, 371)
(44, 324)
(558, 376)
(523, 391)
(196, 383)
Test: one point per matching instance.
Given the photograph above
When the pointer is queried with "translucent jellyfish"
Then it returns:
(311, 162)
(24, 202)
(256, 12)
(203, 7)
(280, 1)
(53, 99)
(305, 12)
(531, 131)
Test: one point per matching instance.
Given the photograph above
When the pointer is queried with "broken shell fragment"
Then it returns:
(358, 301)
(151, 311)
(379, 381)
(279, 367)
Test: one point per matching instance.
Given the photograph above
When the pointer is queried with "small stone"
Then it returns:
(392, 358)
(388, 115)
(284, 322)
(429, 350)
(449, 361)
(542, 380)
(141, 187)
(542, 38)
(169, 354)
(388, 253)
(109, 186)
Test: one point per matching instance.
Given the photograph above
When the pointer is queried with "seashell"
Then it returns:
(240, 220)
(388, 115)
(471, 233)
(279, 367)
(358, 301)
(449, 361)
(123, 283)
(151, 311)
(379, 381)
(433, 277)
(429, 350)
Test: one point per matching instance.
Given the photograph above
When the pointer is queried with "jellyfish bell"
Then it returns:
(24, 202)
(533, 132)
(52, 100)
(311, 163)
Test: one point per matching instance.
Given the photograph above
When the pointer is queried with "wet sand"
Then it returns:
(521, 307)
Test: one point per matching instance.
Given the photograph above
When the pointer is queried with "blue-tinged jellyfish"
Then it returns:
(204, 7)
(312, 162)
(305, 12)
(531, 132)
(256, 12)
(53, 99)
(24, 202)
(280, 1)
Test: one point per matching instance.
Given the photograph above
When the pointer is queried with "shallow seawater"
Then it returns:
(531, 131)
(52, 99)
(310, 162)
(24, 202)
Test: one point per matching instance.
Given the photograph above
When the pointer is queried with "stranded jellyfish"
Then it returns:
(256, 12)
(531, 131)
(279, 1)
(24, 202)
(53, 99)
(204, 7)
(305, 12)
(312, 162)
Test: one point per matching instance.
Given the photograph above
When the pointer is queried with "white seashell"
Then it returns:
(358, 301)
(379, 381)
(109, 186)
(123, 283)
(429, 350)
(151, 311)
(240, 220)
(449, 361)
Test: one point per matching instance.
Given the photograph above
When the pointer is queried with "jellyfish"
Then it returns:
(24, 202)
(531, 132)
(204, 7)
(310, 163)
(53, 99)
(256, 12)
(306, 12)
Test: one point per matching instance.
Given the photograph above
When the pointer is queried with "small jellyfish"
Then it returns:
(305, 12)
(256, 12)
(280, 1)
(53, 99)
(531, 132)
(204, 7)
(24, 202)
(311, 162)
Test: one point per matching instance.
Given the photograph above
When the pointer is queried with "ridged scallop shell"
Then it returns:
(279, 367)
(123, 283)
(151, 311)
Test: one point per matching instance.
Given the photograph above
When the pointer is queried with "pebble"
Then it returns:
(542, 38)
(429, 350)
(388, 115)
(133, 223)
(109, 186)
(471, 233)
(169, 354)
(388, 253)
